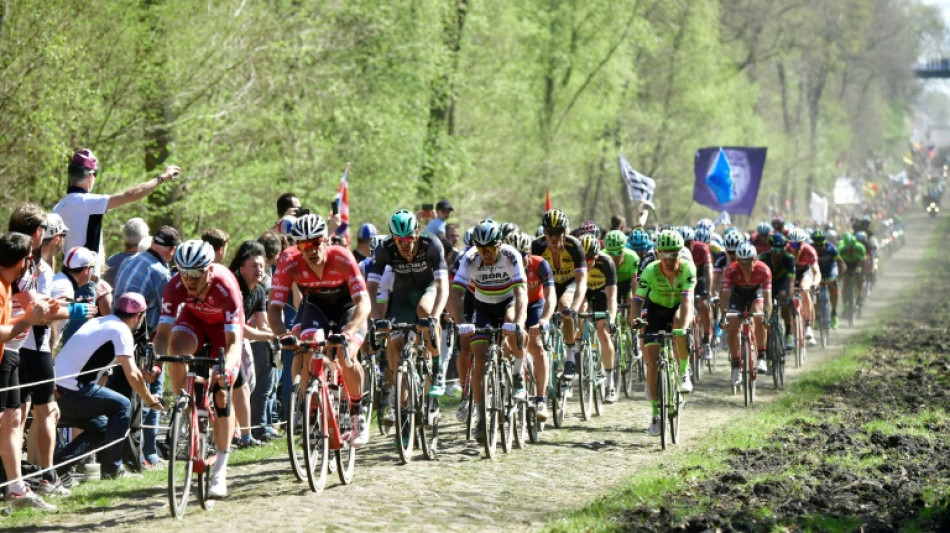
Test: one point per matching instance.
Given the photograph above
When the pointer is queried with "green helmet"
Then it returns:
(403, 223)
(847, 240)
(614, 242)
(669, 240)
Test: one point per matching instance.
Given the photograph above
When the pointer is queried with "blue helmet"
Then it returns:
(639, 241)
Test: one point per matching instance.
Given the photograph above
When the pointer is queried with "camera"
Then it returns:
(302, 211)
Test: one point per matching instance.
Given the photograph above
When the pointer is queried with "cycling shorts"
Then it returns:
(659, 318)
(312, 317)
(806, 277)
(534, 313)
(623, 290)
(741, 300)
(403, 308)
(701, 290)
(491, 315)
(10, 377)
(188, 322)
(36, 366)
(568, 288)
(597, 301)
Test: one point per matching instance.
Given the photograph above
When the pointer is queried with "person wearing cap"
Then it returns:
(364, 237)
(135, 238)
(443, 210)
(83, 211)
(73, 285)
(147, 273)
(102, 413)
(15, 256)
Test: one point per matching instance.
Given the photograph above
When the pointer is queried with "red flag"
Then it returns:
(547, 201)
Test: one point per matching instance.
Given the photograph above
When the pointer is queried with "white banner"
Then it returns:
(818, 207)
(723, 219)
(847, 192)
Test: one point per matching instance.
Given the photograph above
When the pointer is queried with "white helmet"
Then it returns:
(194, 255)
(309, 227)
(745, 251)
(733, 240)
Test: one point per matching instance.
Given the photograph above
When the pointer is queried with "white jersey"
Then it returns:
(491, 284)
(94, 346)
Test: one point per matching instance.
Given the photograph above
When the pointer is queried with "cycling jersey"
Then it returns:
(720, 263)
(601, 274)
(853, 254)
(701, 256)
(761, 243)
(222, 302)
(649, 257)
(827, 257)
(806, 257)
(569, 262)
(629, 267)
(339, 286)
(539, 276)
(491, 284)
(427, 265)
(655, 286)
(759, 279)
(782, 268)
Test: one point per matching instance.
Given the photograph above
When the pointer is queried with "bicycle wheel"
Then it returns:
(662, 384)
(695, 351)
(585, 382)
(677, 404)
(346, 455)
(295, 447)
(776, 358)
(629, 373)
(427, 421)
(745, 352)
(315, 442)
(559, 403)
(507, 405)
(405, 411)
(370, 378)
(598, 379)
(799, 342)
(180, 466)
(382, 399)
(531, 422)
(471, 417)
(491, 407)
(204, 474)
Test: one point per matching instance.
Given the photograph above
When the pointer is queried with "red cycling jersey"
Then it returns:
(761, 277)
(761, 243)
(806, 257)
(539, 275)
(701, 255)
(340, 284)
(222, 302)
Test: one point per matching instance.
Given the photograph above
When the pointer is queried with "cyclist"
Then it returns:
(202, 304)
(778, 225)
(854, 255)
(806, 270)
(625, 260)
(495, 274)
(334, 298)
(420, 279)
(566, 257)
(602, 298)
(464, 360)
(541, 303)
(731, 242)
(870, 247)
(830, 264)
(761, 239)
(702, 258)
(508, 228)
(746, 286)
(665, 290)
(782, 265)
(639, 241)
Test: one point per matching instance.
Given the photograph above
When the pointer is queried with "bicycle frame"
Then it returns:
(668, 379)
(747, 348)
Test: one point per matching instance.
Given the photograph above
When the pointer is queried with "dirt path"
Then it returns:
(462, 491)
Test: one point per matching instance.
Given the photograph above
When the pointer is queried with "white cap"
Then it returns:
(80, 256)
(54, 226)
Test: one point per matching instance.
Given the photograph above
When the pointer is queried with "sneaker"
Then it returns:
(219, 486)
(809, 334)
(359, 434)
(736, 377)
(811, 341)
(121, 473)
(687, 385)
(151, 464)
(45, 488)
(707, 352)
(517, 383)
(568, 391)
(834, 321)
(655, 426)
(251, 442)
(568, 373)
(66, 479)
(461, 414)
(541, 410)
(453, 389)
(789, 341)
(27, 500)
(611, 395)
(437, 389)
(761, 365)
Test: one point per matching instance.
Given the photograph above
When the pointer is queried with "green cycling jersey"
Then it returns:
(657, 287)
(853, 254)
(628, 268)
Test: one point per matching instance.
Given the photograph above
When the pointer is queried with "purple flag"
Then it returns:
(727, 178)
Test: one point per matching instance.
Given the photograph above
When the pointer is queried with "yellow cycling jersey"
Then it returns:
(568, 262)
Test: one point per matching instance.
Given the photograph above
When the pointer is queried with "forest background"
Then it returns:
(486, 103)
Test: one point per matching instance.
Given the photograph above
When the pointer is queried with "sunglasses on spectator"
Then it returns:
(193, 273)
(306, 246)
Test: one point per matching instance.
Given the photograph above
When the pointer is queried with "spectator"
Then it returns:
(102, 413)
(147, 274)
(618, 222)
(134, 235)
(443, 210)
(82, 210)
(452, 235)
(36, 366)
(274, 244)
(287, 206)
(74, 285)
(218, 239)
(364, 236)
(15, 253)
(248, 267)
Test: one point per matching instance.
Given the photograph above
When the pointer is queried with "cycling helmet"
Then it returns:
(777, 223)
(639, 241)
(591, 245)
(194, 255)
(797, 235)
(745, 251)
(589, 227)
(614, 241)
(861, 237)
(486, 233)
(706, 224)
(669, 241)
(688, 233)
(703, 235)
(732, 241)
(730, 229)
(508, 228)
(309, 227)
(847, 240)
(554, 219)
(818, 236)
(763, 228)
(777, 240)
(519, 241)
(832, 235)
(403, 223)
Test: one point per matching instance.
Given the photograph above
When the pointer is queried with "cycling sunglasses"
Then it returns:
(668, 256)
(306, 246)
(554, 232)
(193, 273)
(614, 253)
(487, 249)
(795, 245)
(406, 240)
